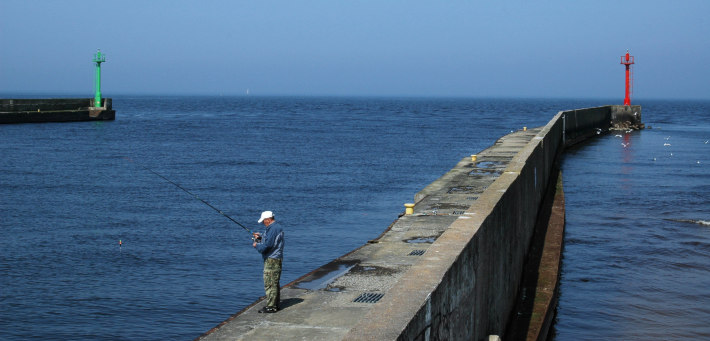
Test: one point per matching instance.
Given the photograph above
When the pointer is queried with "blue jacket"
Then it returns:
(272, 243)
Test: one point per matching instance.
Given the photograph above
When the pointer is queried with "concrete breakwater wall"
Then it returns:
(472, 291)
(473, 294)
(54, 110)
(451, 269)
(580, 124)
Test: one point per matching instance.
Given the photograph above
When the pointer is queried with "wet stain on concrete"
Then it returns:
(466, 190)
(372, 270)
(337, 288)
(448, 206)
(321, 278)
(417, 240)
(490, 164)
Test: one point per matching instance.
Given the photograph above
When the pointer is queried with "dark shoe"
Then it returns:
(267, 310)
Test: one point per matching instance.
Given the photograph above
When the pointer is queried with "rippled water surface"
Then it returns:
(336, 171)
(637, 248)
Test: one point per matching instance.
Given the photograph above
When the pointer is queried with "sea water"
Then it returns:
(96, 246)
(636, 260)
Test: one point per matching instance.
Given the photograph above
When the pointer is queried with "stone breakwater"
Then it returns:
(55, 110)
(451, 269)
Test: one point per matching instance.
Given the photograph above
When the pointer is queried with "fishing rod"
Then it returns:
(192, 194)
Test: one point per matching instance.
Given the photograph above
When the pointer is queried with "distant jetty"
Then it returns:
(60, 109)
(55, 110)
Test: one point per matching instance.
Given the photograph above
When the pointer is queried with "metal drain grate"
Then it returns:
(416, 253)
(370, 297)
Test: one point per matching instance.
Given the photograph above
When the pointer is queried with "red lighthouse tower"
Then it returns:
(628, 61)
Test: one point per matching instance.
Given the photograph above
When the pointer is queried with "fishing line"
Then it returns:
(192, 194)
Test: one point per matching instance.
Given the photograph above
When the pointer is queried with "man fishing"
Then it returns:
(271, 247)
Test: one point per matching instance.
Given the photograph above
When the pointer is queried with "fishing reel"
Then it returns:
(256, 237)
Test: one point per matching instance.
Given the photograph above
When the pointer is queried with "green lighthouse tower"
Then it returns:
(98, 59)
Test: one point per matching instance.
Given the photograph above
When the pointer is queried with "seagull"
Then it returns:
(706, 142)
(654, 159)
(617, 135)
(668, 137)
(666, 144)
(624, 144)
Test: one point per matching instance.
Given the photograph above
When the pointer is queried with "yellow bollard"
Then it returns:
(473, 157)
(409, 208)
(525, 128)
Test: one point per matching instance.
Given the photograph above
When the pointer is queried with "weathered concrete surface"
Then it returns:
(54, 110)
(468, 290)
(319, 307)
(537, 298)
(451, 270)
(581, 124)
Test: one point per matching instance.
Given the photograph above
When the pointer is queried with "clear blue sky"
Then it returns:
(555, 48)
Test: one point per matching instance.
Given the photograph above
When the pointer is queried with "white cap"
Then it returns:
(265, 215)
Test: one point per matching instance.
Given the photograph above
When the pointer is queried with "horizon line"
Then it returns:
(60, 94)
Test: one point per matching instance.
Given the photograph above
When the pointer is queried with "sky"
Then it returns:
(526, 49)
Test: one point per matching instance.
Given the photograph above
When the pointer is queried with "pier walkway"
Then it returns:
(328, 303)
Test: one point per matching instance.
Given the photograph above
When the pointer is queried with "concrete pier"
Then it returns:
(453, 268)
(55, 110)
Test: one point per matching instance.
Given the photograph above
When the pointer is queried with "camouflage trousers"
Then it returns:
(272, 276)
